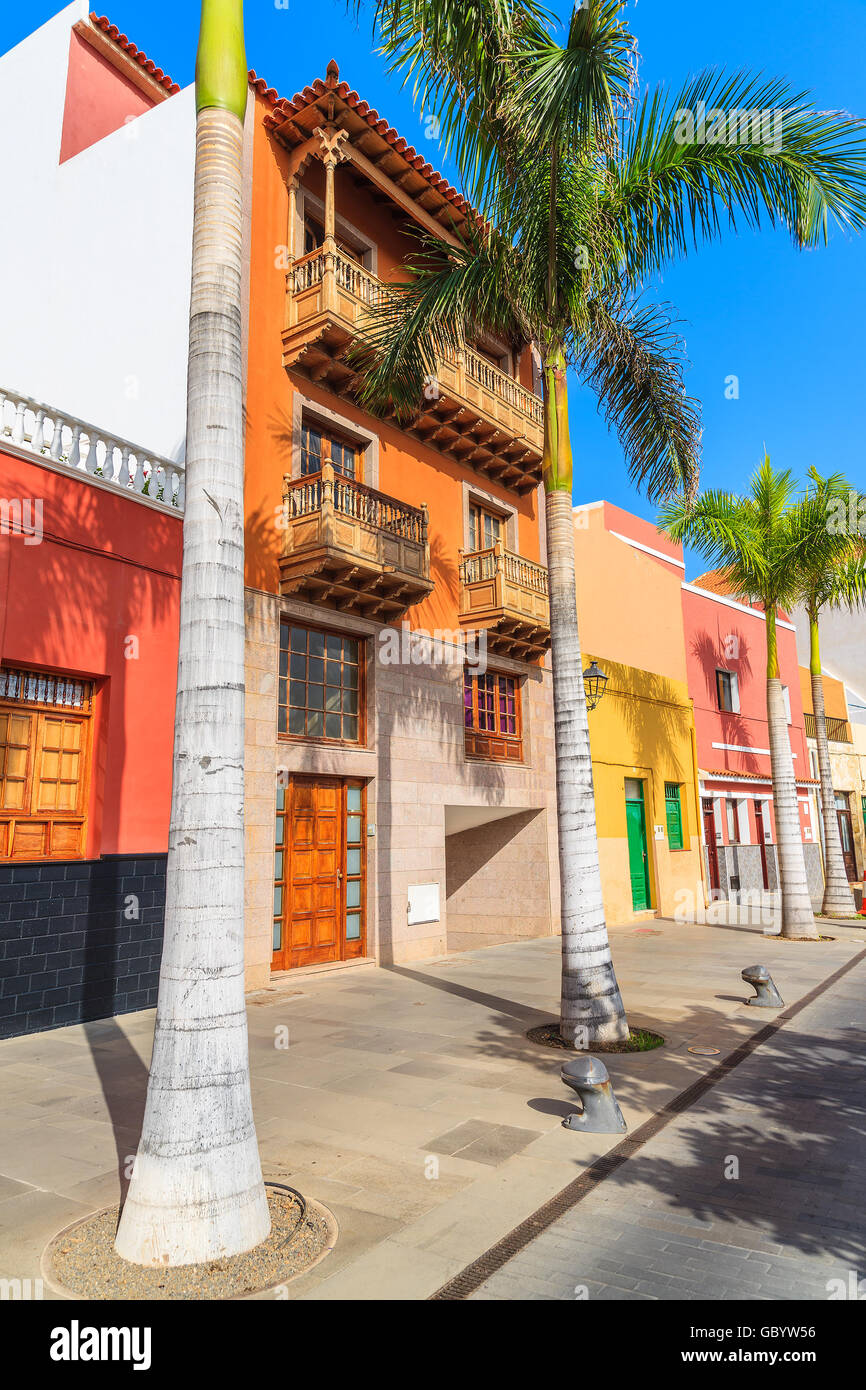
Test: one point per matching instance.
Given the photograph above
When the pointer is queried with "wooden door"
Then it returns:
(319, 890)
(710, 838)
(638, 855)
(759, 822)
(846, 835)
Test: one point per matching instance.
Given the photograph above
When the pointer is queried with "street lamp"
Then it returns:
(594, 683)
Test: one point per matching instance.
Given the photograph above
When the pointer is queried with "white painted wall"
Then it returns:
(843, 653)
(94, 253)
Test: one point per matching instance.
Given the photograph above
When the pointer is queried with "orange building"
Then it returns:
(629, 580)
(409, 768)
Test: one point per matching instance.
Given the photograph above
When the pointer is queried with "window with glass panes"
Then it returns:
(280, 855)
(491, 715)
(485, 528)
(320, 684)
(674, 814)
(317, 444)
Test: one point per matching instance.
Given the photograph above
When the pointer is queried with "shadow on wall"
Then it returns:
(417, 696)
(711, 656)
(105, 600)
(497, 881)
(657, 721)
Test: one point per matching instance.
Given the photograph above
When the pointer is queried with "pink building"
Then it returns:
(726, 651)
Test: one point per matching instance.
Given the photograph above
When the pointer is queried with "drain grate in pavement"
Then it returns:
(480, 1270)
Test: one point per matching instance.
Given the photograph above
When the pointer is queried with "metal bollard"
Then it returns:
(588, 1077)
(766, 995)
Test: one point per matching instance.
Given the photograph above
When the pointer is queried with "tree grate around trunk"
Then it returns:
(639, 1040)
(82, 1262)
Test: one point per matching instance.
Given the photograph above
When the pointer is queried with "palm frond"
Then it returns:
(632, 358)
(738, 152)
(415, 324)
(575, 92)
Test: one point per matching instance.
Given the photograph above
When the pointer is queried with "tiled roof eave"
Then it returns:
(718, 774)
(134, 54)
(283, 112)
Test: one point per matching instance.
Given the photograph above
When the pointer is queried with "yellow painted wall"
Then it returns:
(642, 729)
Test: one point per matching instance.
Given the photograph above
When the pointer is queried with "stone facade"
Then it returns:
(484, 832)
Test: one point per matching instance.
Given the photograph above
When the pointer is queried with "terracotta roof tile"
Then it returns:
(729, 774)
(112, 31)
(286, 109)
(715, 582)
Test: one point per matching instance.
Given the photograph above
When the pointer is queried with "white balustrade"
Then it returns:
(85, 449)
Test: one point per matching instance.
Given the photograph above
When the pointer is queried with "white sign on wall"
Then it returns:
(423, 903)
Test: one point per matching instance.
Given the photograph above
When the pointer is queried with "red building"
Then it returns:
(89, 602)
(726, 657)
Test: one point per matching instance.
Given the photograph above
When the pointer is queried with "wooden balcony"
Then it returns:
(506, 595)
(471, 410)
(838, 730)
(352, 548)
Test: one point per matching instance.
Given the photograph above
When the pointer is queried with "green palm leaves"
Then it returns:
(586, 189)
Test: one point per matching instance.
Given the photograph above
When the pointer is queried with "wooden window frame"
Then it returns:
(361, 741)
(677, 802)
(482, 509)
(38, 712)
(330, 436)
(482, 744)
(732, 819)
(733, 687)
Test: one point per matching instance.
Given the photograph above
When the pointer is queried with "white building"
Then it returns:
(97, 150)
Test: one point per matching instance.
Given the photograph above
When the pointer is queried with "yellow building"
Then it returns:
(642, 732)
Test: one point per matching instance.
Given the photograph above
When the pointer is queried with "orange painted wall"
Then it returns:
(99, 99)
(628, 602)
(107, 568)
(835, 703)
(408, 470)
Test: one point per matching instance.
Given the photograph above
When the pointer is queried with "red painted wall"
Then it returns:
(107, 569)
(99, 99)
(709, 626)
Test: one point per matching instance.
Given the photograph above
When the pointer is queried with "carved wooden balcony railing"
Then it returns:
(352, 548)
(470, 409)
(506, 595)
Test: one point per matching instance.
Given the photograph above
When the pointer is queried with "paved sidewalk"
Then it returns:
(787, 1124)
(407, 1100)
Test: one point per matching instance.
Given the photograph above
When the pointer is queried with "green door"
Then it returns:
(638, 857)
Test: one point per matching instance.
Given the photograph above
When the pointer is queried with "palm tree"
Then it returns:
(584, 190)
(757, 543)
(832, 575)
(196, 1192)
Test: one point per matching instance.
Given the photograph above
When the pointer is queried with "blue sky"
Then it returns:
(788, 324)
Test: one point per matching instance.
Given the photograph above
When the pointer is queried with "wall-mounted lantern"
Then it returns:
(594, 683)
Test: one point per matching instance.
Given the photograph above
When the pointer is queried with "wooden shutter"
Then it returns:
(674, 814)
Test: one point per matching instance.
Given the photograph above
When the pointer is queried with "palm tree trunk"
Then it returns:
(590, 994)
(798, 918)
(838, 898)
(196, 1192)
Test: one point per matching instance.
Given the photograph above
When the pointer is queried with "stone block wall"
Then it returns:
(80, 940)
